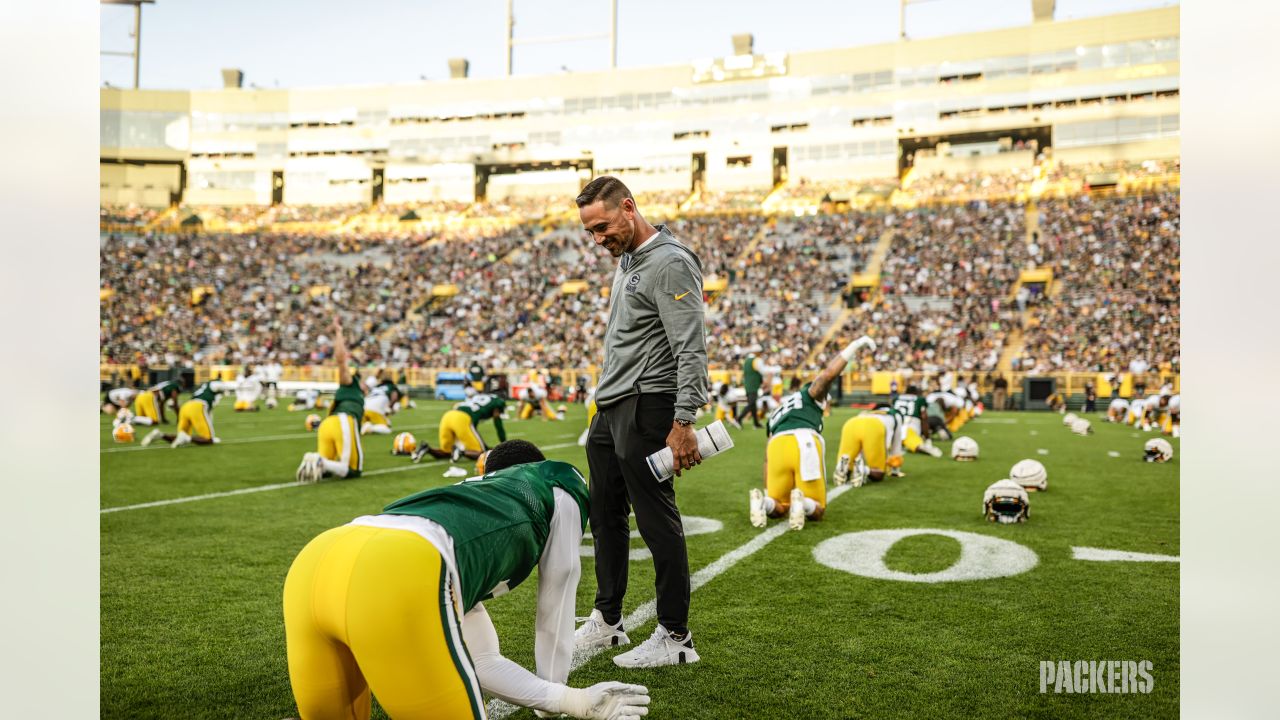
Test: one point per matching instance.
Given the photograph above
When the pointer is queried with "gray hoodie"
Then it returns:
(656, 340)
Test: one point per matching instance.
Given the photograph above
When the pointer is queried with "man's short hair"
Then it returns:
(606, 188)
(512, 452)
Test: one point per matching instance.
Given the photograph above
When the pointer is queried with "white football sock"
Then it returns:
(769, 504)
(810, 506)
(181, 439)
(140, 420)
(334, 467)
(378, 428)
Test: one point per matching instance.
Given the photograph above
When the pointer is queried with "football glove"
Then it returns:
(606, 701)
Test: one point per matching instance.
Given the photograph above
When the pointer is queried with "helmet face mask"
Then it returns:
(1157, 450)
(1006, 502)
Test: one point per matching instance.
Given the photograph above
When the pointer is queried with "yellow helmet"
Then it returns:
(123, 433)
(313, 421)
(404, 444)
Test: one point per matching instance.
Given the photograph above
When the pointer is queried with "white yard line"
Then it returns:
(281, 486)
(1101, 555)
(498, 709)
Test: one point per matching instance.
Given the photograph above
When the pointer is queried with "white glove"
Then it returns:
(606, 701)
(852, 348)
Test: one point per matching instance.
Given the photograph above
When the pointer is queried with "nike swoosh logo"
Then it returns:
(681, 295)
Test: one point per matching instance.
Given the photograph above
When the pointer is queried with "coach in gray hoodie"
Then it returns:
(653, 382)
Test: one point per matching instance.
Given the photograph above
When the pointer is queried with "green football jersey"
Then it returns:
(499, 522)
(206, 393)
(796, 411)
(481, 406)
(168, 387)
(909, 405)
(350, 400)
(751, 378)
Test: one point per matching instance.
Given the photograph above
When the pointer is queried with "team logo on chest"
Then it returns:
(632, 283)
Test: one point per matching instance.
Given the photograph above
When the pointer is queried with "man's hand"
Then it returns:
(684, 447)
(607, 701)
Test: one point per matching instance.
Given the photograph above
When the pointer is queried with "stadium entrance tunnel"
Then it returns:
(693, 525)
(982, 557)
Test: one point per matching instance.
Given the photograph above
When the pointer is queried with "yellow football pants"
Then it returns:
(376, 418)
(864, 434)
(455, 426)
(145, 405)
(195, 419)
(912, 440)
(782, 472)
(244, 405)
(338, 438)
(373, 609)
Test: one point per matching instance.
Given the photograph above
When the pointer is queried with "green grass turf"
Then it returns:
(191, 621)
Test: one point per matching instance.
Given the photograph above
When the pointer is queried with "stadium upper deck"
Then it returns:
(1095, 89)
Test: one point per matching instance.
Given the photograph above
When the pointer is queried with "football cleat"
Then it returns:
(860, 472)
(1005, 501)
(842, 470)
(1030, 474)
(317, 468)
(303, 474)
(795, 517)
(931, 449)
(659, 650)
(896, 472)
(595, 632)
(756, 508)
(456, 455)
(420, 453)
(152, 437)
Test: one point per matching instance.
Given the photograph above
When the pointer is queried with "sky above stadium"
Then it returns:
(288, 43)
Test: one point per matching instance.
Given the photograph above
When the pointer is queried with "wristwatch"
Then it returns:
(684, 423)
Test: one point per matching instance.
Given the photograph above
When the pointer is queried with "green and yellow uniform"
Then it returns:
(372, 604)
(794, 457)
(338, 437)
(195, 417)
(459, 424)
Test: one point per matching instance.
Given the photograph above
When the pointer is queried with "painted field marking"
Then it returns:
(1042, 451)
(646, 612)
(280, 486)
(1113, 453)
(1101, 555)
(982, 557)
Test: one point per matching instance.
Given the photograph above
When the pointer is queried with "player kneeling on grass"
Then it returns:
(391, 604)
(794, 477)
(195, 421)
(339, 452)
(377, 409)
(148, 405)
(459, 437)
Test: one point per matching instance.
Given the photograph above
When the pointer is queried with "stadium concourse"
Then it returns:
(525, 289)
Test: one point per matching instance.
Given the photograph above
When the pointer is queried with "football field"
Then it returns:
(829, 622)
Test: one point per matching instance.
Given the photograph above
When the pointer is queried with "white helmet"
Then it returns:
(1081, 427)
(1069, 419)
(1030, 474)
(964, 448)
(1005, 501)
(1158, 450)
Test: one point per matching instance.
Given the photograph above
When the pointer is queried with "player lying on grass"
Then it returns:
(195, 421)
(339, 453)
(459, 437)
(391, 604)
(794, 477)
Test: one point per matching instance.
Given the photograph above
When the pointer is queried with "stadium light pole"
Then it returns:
(511, 41)
(137, 34)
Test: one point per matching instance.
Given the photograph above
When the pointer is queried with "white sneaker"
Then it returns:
(151, 437)
(660, 649)
(842, 470)
(757, 514)
(595, 632)
(795, 518)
